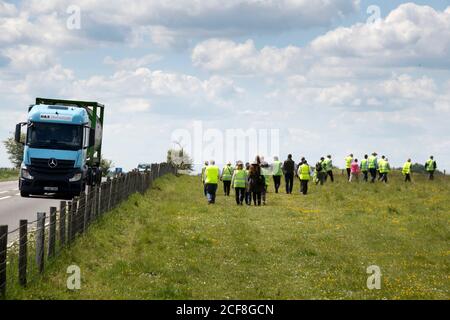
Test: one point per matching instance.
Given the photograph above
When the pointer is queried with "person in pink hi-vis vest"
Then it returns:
(354, 171)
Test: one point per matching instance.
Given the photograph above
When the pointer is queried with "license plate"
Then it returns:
(50, 188)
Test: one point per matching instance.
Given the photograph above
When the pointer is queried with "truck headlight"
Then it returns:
(26, 174)
(76, 177)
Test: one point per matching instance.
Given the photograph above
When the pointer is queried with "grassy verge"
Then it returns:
(169, 244)
(8, 174)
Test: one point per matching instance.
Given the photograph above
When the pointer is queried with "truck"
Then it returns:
(62, 147)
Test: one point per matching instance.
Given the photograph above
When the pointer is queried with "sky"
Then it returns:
(328, 77)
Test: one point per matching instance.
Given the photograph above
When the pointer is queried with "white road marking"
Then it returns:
(7, 197)
(18, 194)
(3, 192)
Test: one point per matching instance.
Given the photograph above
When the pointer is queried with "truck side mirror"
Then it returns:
(18, 133)
(91, 137)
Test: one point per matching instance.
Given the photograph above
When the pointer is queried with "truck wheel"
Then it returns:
(24, 194)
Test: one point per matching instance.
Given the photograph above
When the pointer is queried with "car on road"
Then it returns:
(143, 167)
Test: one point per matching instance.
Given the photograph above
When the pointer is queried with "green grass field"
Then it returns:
(169, 244)
(8, 175)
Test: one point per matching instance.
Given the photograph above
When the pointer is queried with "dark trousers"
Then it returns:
(373, 174)
(277, 182)
(407, 177)
(248, 197)
(263, 195)
(320, 178)
(240, 194)
(256, 198)
(349, 171)
(204, 188)
(226, 187)
(384, 177)
(211, 190)
(431, 175)
(289, 179)
(366, 176)
(304, 186)
(330, 174)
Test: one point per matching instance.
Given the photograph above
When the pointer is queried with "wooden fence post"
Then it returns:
(52, 233)
(98, 201)
(3, 256)
(103, 197)
(62, 224)
(112, 195)
(73, 219)
(69, 221)
(23, 252)
(109, 194)
(87, 211)
(81, 213)
(40, 241)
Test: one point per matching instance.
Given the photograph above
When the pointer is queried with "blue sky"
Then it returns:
(317, 71)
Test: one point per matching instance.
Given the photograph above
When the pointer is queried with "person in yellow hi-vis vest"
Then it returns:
(277, 172)
(227, 174)
(373, 165)
(304, 173)
(239, 183)
(407, 170)
(204, 177)
(212, 173)
(265, 171)
(348, 165)
(365, 168)
(380, 168)
(385, 168)
(328, 165)
(430, 167)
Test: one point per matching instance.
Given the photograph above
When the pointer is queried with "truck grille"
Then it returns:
(42, 166)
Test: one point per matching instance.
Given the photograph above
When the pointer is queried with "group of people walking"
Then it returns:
(374, 167)
(251, 181)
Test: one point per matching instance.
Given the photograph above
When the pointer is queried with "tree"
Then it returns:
(180, 159)
(105, 165)
(14, 150)
(420, 168)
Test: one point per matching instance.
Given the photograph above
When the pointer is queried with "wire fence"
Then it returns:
(25, 251)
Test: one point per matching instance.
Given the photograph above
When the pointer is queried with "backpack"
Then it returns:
(319, 167)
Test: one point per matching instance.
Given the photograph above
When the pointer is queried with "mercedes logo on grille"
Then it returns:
(52, 163)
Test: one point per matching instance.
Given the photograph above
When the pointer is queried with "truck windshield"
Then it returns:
(55, 136)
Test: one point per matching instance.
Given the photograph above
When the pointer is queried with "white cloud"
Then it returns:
(387, 79)
(181, 91)
(165, 24)
(404, 86)
(226, 55)
(132, 63)
(26, 58)
(7, 9)
(134, 105)
(409, 35)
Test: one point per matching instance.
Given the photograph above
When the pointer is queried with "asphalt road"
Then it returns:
(13, 207)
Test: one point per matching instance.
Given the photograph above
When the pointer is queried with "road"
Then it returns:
(13, 207)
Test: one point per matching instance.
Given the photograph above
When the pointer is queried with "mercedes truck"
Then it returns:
(62, 147)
